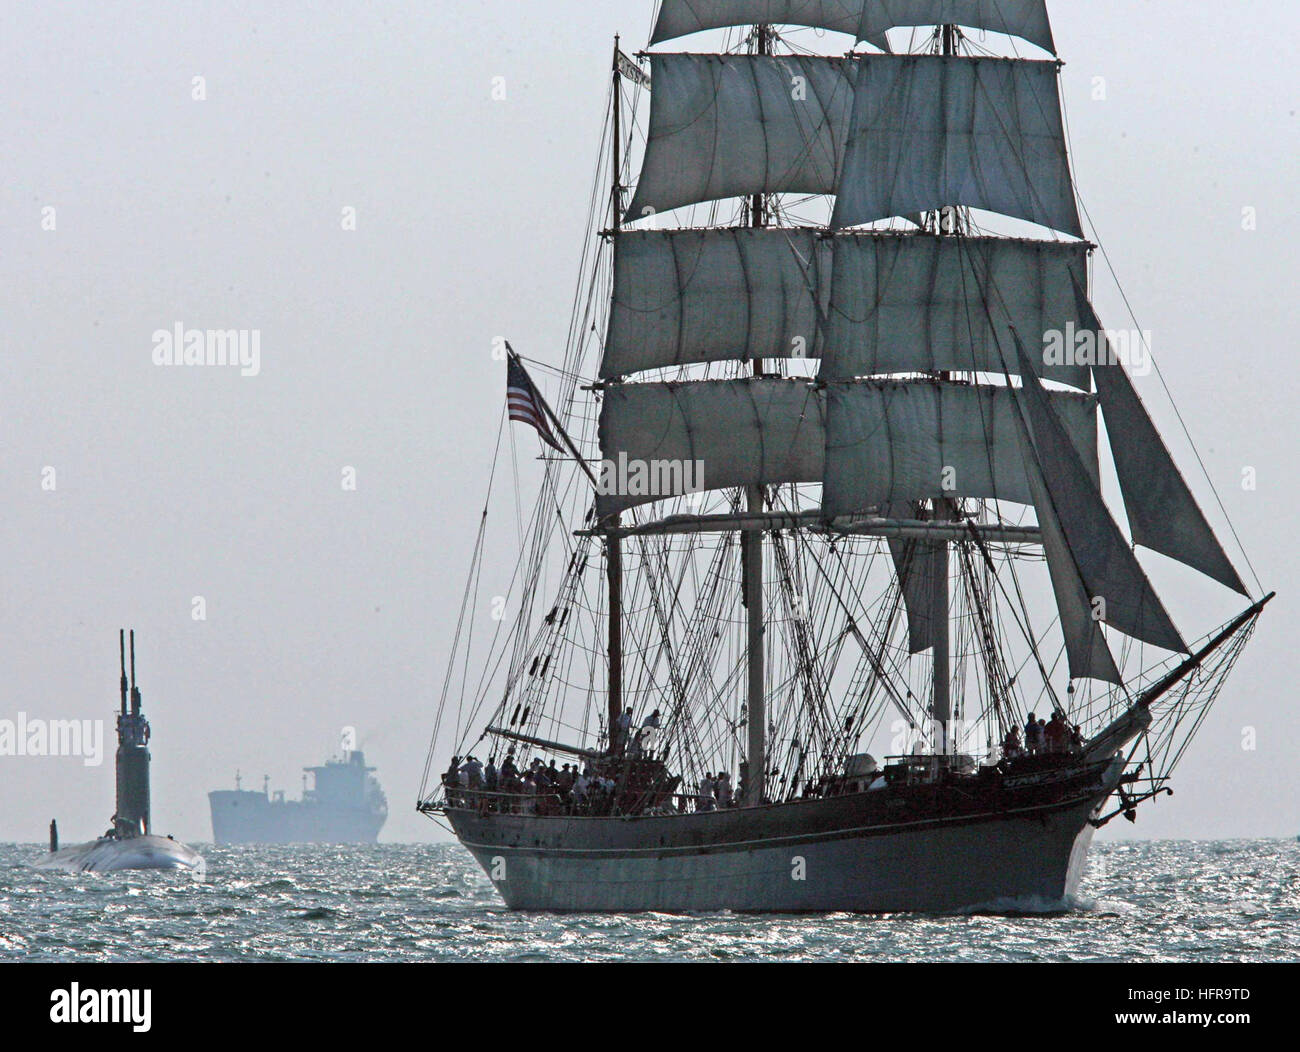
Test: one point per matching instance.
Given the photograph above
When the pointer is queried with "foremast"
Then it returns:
(613, 536)
(754, 783)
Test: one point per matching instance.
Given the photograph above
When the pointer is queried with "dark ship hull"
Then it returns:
(933, 847)
(242, 817)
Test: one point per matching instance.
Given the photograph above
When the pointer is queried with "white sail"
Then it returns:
(892, 441)
(679, 18)
(1086, 651)
(919, 566)
(1112, 578)
(686, 296)
(935, 130)
(866, 19)
(919, 303)
(1162, 513)
(735, 125)
(868, 304)
(664, 439)
(1026, 19)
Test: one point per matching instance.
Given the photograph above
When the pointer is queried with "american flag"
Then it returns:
(524, 401)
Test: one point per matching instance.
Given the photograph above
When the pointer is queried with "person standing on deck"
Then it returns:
(705, 800)
(1057, 734)
(1034, 737)
(724, 789)
(622, 730)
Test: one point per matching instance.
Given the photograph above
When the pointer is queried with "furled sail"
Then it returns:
(891, 441)
(867, 19)
(679, 18)
(661, 440)
(1162, 513)
(917, 303)
(734, 125)
(1106, 565)
(935, 130)
(686, 296)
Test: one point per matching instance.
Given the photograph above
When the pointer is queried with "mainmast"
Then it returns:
(944, 509)
(751, 554)
(942, 660)
(613, 539)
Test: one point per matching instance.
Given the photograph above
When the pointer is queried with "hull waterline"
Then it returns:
(806, 857)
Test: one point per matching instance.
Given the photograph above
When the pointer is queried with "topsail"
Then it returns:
(864, 303)
(888, 135)
(936, 130)
(734, 125)
(866, 19)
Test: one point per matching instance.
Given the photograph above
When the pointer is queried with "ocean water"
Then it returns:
(1140, 901)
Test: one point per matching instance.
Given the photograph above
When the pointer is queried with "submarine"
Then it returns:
(130, 842)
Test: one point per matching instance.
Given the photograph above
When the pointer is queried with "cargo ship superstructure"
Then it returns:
(343, 805)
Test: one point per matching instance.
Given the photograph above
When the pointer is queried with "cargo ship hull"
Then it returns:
(242, 817)
(870, 852)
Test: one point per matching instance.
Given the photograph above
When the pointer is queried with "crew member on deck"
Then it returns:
(1056, 734)
(1034, 740)
(622, 729)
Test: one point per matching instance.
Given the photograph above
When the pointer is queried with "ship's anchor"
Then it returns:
(1128, 804)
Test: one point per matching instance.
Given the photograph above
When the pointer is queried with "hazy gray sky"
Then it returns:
(327, 607)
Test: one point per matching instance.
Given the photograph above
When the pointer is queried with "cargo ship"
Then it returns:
(345, 805)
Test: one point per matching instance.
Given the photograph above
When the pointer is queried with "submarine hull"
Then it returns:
(109, 853)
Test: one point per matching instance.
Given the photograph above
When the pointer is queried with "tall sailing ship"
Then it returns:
(823, 475)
